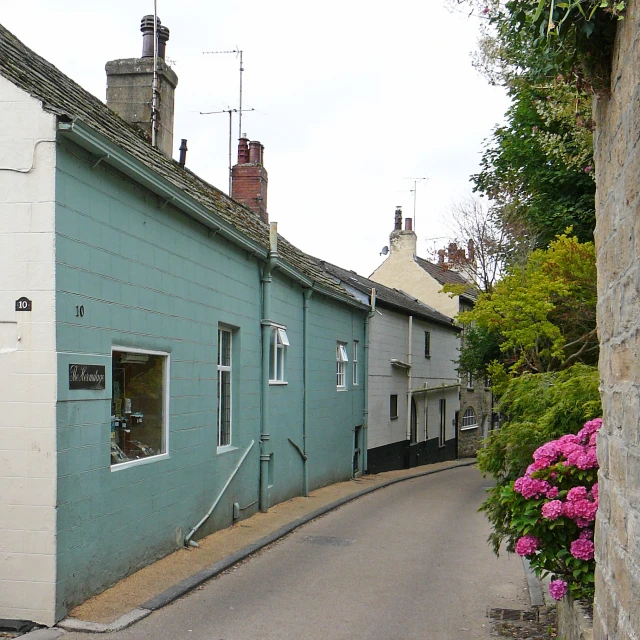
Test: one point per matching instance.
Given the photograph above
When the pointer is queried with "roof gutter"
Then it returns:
(84, 136)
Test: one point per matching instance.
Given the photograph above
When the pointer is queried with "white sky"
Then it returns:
(350, 98)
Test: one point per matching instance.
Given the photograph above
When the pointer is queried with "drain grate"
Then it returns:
(329, 541)
(513, 615)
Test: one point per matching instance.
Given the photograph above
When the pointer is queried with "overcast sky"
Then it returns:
(352, 100)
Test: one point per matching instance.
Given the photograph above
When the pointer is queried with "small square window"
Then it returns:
(277, 353)
(393, 406)
(341, 365)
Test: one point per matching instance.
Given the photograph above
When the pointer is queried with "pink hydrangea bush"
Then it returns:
(553, 509)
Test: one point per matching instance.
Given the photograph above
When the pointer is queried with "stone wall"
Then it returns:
(574, 623)
(617, 606)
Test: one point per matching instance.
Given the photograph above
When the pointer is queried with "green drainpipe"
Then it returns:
(265, 445)
(305, 377)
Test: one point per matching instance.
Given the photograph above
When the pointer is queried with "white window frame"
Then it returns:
(278, 343)
(466, 424)
(223, 368)
(356, 380)
(165, 407)
(341, 366)
(469, 380)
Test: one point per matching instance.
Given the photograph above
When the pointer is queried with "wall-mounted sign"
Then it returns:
(23, 304)
(86, 376)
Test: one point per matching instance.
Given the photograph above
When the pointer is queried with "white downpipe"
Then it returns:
(188, 542)
(409, 378)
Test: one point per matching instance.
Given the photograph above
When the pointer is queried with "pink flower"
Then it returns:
(547, 451)
(575, 455)
(582, 549)
(588, 460)
(594, 492)
(557, 589)
(553, 492)
(585, 509)
(587, 169)
(568, 510)
(586, 534)
(568, 446)
(552, 510)
(593, 440)
(577, 493)
(541, 463)
(527, 545)
(531, 487)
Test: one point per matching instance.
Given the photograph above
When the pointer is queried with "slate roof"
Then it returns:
(447, 276)
(68, 100)
(387, 297)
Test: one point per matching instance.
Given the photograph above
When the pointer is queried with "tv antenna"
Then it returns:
(415, 193)
(230, 112)
(238, 53)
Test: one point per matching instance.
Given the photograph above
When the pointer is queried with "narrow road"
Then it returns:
(406, 562)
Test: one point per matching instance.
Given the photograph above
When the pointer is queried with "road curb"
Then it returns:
(533, 583)
(189, 584)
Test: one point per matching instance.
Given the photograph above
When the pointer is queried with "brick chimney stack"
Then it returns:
(130, 87)
(249, 178)
(402, 241)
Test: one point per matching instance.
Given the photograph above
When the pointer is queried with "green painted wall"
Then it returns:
(150, 277)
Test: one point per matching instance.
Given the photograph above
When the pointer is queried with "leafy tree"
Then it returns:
(537, 167)
(541, 317)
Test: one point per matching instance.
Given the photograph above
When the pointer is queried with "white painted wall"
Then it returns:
(27, 359)
(401, 271)
(389, 338)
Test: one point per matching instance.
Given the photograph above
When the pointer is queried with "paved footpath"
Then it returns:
(172, 577)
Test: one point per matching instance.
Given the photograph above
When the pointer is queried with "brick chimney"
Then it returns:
(249, 178)
(403, 240)
(130, 87)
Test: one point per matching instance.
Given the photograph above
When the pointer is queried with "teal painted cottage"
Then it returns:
(158, 341)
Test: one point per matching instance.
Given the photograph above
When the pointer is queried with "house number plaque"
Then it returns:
(86, 376)
(23, 304)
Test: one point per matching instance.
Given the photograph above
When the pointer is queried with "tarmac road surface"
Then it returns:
(406, 562)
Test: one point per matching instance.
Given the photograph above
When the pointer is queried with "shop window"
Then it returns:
(277, 354)
(224, 387)
(139, 404)
(341, 365)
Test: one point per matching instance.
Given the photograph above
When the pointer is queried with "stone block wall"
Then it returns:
(617, 605)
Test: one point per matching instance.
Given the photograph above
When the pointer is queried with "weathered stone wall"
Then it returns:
(617, 606)
(574, 623)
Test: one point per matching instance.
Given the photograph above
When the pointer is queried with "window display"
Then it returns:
(138, 404)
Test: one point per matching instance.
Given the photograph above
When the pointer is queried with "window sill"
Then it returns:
(342, 389)
(278, 383)
(469, 428)
(140, 461)
(393, 417)
(226, 448)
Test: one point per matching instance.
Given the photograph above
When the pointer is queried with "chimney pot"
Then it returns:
(183, 152)
(255, 152)
(408, 224)
(398, 219)
(243, 150)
